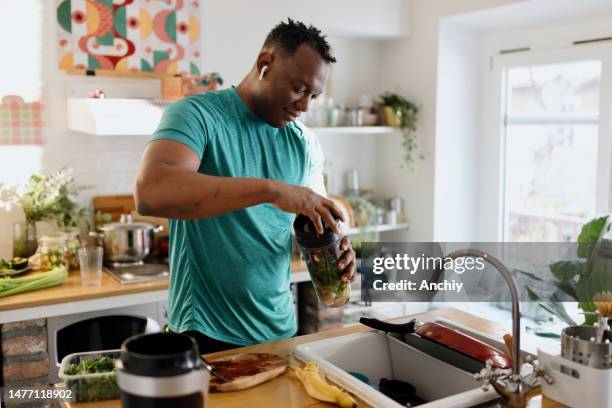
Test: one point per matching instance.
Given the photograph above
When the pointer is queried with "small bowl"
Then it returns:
(401, 392)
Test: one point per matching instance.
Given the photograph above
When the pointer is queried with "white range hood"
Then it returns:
(114, 117)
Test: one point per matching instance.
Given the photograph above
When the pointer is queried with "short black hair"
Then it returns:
(291, 34)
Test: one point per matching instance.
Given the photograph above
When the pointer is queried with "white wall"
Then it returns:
(457, 133)
(231, 40)
(410, 67)
(438, 209)
(546, 36)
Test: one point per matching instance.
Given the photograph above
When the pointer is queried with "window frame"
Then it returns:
(496, 123)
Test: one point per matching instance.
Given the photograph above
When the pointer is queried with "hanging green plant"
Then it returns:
(402, 113)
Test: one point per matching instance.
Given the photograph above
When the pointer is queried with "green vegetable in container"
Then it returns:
(100, 365)
(95, 379)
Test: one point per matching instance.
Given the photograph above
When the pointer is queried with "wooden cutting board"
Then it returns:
(246, 370)
(115, 205)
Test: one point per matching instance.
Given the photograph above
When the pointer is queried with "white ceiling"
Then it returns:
(531, 12)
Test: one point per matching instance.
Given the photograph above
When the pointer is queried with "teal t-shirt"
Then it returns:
(230, 274)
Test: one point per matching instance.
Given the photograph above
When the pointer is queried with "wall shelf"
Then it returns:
(354, 130)
(378, 228)
(115, 116)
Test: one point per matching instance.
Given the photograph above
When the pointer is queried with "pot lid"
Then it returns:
(126, 223)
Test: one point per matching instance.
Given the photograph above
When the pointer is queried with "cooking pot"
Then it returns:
(126, 241)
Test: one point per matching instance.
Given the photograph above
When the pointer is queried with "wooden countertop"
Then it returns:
(72, 290)
(287, 391)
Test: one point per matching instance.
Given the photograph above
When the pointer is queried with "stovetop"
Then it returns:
(145, 272)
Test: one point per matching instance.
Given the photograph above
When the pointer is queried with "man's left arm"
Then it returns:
(315, 181)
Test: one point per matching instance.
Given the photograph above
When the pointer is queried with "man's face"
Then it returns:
(290, 84)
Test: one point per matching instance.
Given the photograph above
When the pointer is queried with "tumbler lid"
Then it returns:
(160, 354)
(307, 236)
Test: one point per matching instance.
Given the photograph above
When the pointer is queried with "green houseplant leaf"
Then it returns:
(406, 114)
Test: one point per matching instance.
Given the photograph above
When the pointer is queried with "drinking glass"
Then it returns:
(90, 260)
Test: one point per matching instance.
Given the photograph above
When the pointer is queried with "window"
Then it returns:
(551, 138)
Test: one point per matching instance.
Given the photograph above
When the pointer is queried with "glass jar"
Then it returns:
(52, 250)
(73, 243)
(321, 254)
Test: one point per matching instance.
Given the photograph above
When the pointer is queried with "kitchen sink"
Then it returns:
(378, 355)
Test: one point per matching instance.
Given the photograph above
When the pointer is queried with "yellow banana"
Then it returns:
(317, 386)
(310, 388)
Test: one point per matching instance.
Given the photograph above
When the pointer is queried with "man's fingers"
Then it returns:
(345, 245)
(329, 219)
(345, 259)
(349, 274)
(315, 217)
(334, 208)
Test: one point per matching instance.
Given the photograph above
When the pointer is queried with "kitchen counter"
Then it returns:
(287, 391)
(71, 295)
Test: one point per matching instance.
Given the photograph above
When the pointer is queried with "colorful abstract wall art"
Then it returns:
(20, 122)
(152, 36)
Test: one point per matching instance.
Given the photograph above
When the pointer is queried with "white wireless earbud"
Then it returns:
(263, 71)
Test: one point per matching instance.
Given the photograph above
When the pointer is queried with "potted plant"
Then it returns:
(46, 197)
(400, 112)
(580, 279)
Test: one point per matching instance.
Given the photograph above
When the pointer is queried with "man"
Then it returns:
(231, 169)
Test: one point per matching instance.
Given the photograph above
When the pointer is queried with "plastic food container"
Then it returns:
(93, 386)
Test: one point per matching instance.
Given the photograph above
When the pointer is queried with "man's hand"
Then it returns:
(346, 263)
(302, 200)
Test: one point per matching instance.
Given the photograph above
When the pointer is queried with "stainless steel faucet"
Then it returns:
(510, 385)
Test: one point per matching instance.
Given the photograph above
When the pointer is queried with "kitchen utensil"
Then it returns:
(246, 370)
(578, 344)
(582, 374)
(446, 344)
(162, 370)
(126, 241)
(401, 392)
(213, 370)
(321, 253)
(90, 262)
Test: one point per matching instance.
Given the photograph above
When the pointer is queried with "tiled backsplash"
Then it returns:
(107, 164)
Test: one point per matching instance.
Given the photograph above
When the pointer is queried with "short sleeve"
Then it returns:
(316, 161)
(185, 121)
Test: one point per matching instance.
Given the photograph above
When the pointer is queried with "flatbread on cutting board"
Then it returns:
(246, 370)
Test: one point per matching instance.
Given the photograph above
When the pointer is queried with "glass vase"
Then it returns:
(25, 239)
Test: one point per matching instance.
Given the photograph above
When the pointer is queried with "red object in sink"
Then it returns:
(463, 343)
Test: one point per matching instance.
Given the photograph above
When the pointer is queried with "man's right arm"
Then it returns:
(169, 185)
